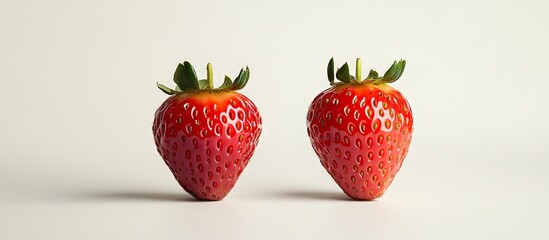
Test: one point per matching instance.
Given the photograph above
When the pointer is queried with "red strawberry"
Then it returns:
(206, 135)
(361, 130)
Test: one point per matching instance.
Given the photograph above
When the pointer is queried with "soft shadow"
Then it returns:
(315, 195)
(144, 196)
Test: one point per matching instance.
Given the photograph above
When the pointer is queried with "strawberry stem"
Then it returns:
(358, 70)
(209, 76)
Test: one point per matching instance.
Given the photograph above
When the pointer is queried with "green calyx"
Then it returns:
(344, 76)
(186, 81)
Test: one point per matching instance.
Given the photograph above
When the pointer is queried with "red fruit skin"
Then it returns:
(207, 139)
(361, 133)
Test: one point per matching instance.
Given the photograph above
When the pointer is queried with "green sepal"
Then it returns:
(238, 79)
(343, 74)
(187, 81)
(241, 80)
(203, 84)
(243, 84)
(227, 82)
(190, 75)
(185, 77)
(165, 89)
(178, 76)
(331, 70)
(394, 72)
(372, 74)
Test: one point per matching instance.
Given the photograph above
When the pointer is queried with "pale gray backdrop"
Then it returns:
(77, 82)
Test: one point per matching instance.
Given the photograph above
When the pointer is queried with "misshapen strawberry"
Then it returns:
(361, 129)
(206, 135)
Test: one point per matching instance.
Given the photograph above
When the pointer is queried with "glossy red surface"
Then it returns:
(361, 134)
(206, 140)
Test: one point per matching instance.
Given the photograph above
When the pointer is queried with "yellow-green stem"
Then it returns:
(358, 70)
(210, 76)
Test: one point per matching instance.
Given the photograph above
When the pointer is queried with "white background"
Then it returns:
(77, 97)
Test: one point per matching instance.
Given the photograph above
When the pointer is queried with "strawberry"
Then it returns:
(206, 135)
(361, 129)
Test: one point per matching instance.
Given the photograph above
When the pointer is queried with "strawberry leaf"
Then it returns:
(226, 83)
(178, 76)
(242, 79)
(185, 77)
(394, 72)
(247, 76)
(165, 89)
(202, 84)
(343, 74)
(372, 74)
(402, 66)
(331, 70)
(190, 77)
(238, 80)
(187, 81)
